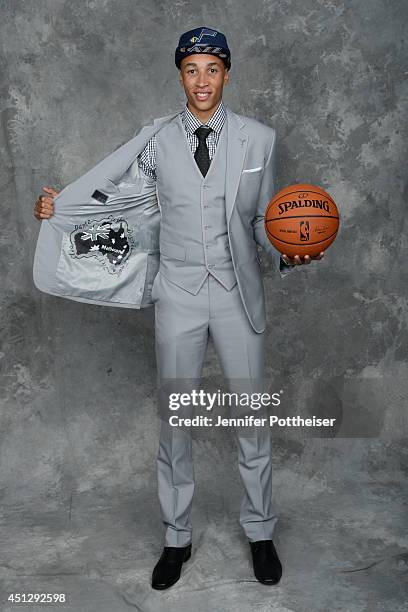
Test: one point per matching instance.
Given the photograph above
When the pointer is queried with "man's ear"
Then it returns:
(226, 77)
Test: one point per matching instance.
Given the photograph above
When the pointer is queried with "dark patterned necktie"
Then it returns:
(201, 154)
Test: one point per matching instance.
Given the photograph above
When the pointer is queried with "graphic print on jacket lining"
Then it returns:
(108, 240)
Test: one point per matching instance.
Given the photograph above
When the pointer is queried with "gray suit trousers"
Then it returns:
(183, 322)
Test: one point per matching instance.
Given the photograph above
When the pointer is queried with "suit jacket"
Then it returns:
(101, 245)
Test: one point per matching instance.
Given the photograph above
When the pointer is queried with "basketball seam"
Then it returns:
(304, 243)
(302, 217)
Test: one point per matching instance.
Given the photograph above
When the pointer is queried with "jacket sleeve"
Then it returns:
(266, 193)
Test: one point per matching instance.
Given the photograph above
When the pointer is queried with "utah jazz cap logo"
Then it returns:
(202, 40)
(204, 32)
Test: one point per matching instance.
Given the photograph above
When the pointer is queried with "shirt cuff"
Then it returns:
(283, 265)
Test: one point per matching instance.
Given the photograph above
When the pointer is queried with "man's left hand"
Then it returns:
(298, 260)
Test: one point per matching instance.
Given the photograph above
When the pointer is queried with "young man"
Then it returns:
(214, 176)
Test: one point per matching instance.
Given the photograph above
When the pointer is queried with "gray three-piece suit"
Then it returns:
(187, 244)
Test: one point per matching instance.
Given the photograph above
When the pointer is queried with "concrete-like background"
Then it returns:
(79, 432)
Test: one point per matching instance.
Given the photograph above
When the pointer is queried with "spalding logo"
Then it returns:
(285, 206)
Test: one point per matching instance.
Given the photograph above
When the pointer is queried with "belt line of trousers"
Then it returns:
(183, 323)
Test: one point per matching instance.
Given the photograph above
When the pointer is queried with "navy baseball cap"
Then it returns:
(203, 40)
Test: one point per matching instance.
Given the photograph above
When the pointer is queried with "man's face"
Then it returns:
(202, 72)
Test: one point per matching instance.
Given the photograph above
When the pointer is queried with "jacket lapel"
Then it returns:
(130, 150)
(237, 142)
(106, 173)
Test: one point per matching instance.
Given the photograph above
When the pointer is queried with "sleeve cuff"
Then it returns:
(283, 265)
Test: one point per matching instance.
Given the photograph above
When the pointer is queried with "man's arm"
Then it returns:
(266, 193)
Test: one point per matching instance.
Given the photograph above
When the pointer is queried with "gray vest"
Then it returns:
(193, 228)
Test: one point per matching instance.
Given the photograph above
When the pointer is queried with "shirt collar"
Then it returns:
(216, 121)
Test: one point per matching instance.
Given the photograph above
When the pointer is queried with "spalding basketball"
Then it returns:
(301, 220)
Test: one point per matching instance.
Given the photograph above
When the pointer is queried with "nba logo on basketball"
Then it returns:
(304, 230)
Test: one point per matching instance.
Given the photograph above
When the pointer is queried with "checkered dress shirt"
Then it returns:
(147, 158)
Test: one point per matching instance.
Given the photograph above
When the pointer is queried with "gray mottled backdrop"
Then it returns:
(79, 432)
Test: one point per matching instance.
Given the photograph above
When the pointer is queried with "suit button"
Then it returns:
(207, 226)
(211, 265)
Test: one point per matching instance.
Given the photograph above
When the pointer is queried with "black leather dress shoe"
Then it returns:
(267, 567)
(168, 568)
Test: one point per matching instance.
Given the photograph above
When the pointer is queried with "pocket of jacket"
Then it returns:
(252, 170)
(125, 192)
(251, 175)
(173, 251)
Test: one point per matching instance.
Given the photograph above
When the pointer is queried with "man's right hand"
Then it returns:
(44, 206)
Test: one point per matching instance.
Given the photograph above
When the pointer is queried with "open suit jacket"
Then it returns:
(102, 244)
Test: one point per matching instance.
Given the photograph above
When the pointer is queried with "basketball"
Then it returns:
(301, 220)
